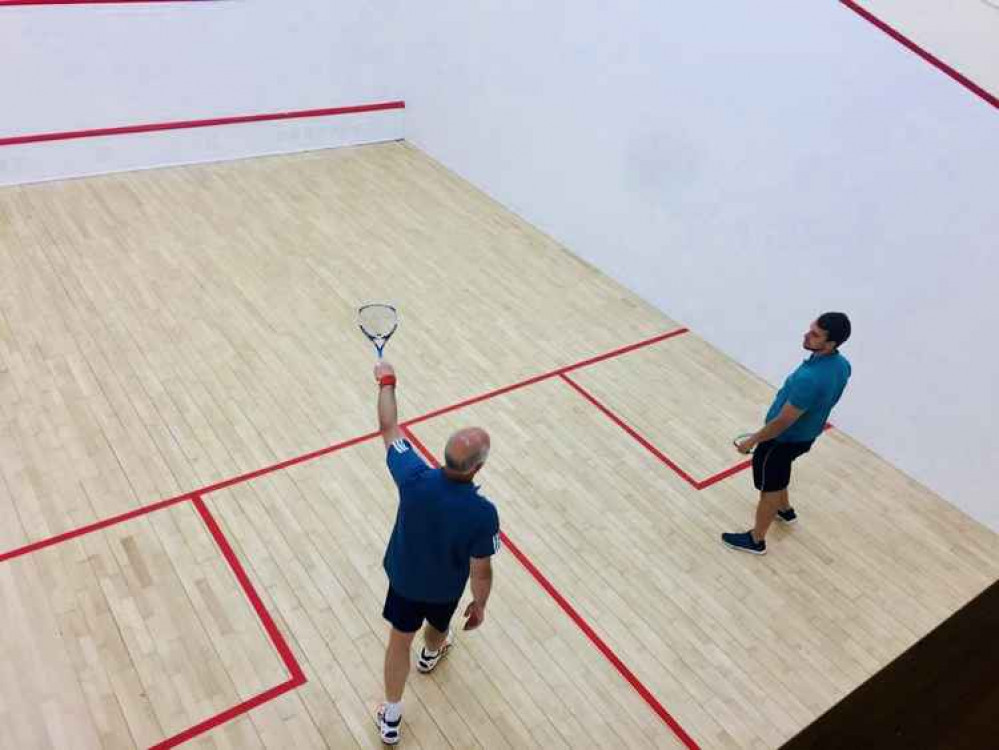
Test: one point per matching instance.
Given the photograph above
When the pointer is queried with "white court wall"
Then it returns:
(83, 67)
(744, 167)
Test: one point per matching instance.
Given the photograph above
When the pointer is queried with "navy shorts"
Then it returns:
(407, 615)
(772, 464)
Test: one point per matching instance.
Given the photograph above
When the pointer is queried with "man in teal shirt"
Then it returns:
(795, 418)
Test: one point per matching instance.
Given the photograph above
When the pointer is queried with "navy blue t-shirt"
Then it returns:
(440, 525)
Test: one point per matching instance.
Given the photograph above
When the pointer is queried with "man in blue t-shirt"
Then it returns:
(797, 416)
(444, 536)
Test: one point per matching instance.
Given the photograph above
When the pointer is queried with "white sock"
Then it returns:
(393, 711)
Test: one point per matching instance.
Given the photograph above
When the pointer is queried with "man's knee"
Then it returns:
(400, 639)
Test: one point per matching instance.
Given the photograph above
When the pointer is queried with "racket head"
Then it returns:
(740, 437)
(378, 321)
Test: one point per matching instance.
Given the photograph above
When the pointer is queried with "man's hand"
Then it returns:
(480, 581)
(475, 613)
(383, 368)
(789, 414)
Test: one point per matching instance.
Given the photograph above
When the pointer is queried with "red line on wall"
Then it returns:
(933, 60)
(184, 124)
(89, 2)
(588, 631)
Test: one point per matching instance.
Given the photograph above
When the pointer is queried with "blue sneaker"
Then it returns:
(787, 516)
(744, 542)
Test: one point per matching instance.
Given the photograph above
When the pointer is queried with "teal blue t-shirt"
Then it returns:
(814, 387)
(440, 526)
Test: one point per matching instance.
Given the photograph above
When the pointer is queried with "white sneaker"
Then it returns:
(389, 730)
(426, 662)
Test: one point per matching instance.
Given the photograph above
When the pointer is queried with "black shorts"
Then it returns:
(407, 615)
(772, 464)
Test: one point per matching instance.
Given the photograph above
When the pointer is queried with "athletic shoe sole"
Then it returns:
(745, 549)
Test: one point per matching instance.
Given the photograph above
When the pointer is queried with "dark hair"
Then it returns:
(836, 325)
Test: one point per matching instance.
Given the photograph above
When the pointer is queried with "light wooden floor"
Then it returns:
(163, 331)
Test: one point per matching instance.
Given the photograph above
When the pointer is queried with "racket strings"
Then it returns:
(377, 321)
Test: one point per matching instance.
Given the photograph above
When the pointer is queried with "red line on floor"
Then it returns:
(297, 676)
(185, 124)
(225, 716)
(284, 464)
(588, 631)
(160, 504)
(631, 431)
(239, 479)
(65, 536)
(936, 62)
(547, 375)
(715, 478)
(294, 670)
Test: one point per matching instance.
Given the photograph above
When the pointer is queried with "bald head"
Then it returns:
(466, 451)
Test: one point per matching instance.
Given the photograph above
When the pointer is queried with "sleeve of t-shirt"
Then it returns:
(804, 392)
(487, 541)
(404, 463)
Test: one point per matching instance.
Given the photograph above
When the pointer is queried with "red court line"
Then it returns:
(631, 431)
(294, 670)
(715, 478)
(588, 631)
(547, 375)
(26, 549)
(89, 2)
(65, 536)
(936, 62)
(183, 124)
(284, 464)
(297, 676)
(695, 483)
(239, 479)
(225, 716)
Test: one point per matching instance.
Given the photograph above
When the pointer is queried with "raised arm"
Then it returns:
(388, 413)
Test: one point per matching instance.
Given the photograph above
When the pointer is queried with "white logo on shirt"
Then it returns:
(400, 446)
(496, 543)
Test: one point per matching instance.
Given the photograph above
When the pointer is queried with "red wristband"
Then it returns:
(386, 380)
